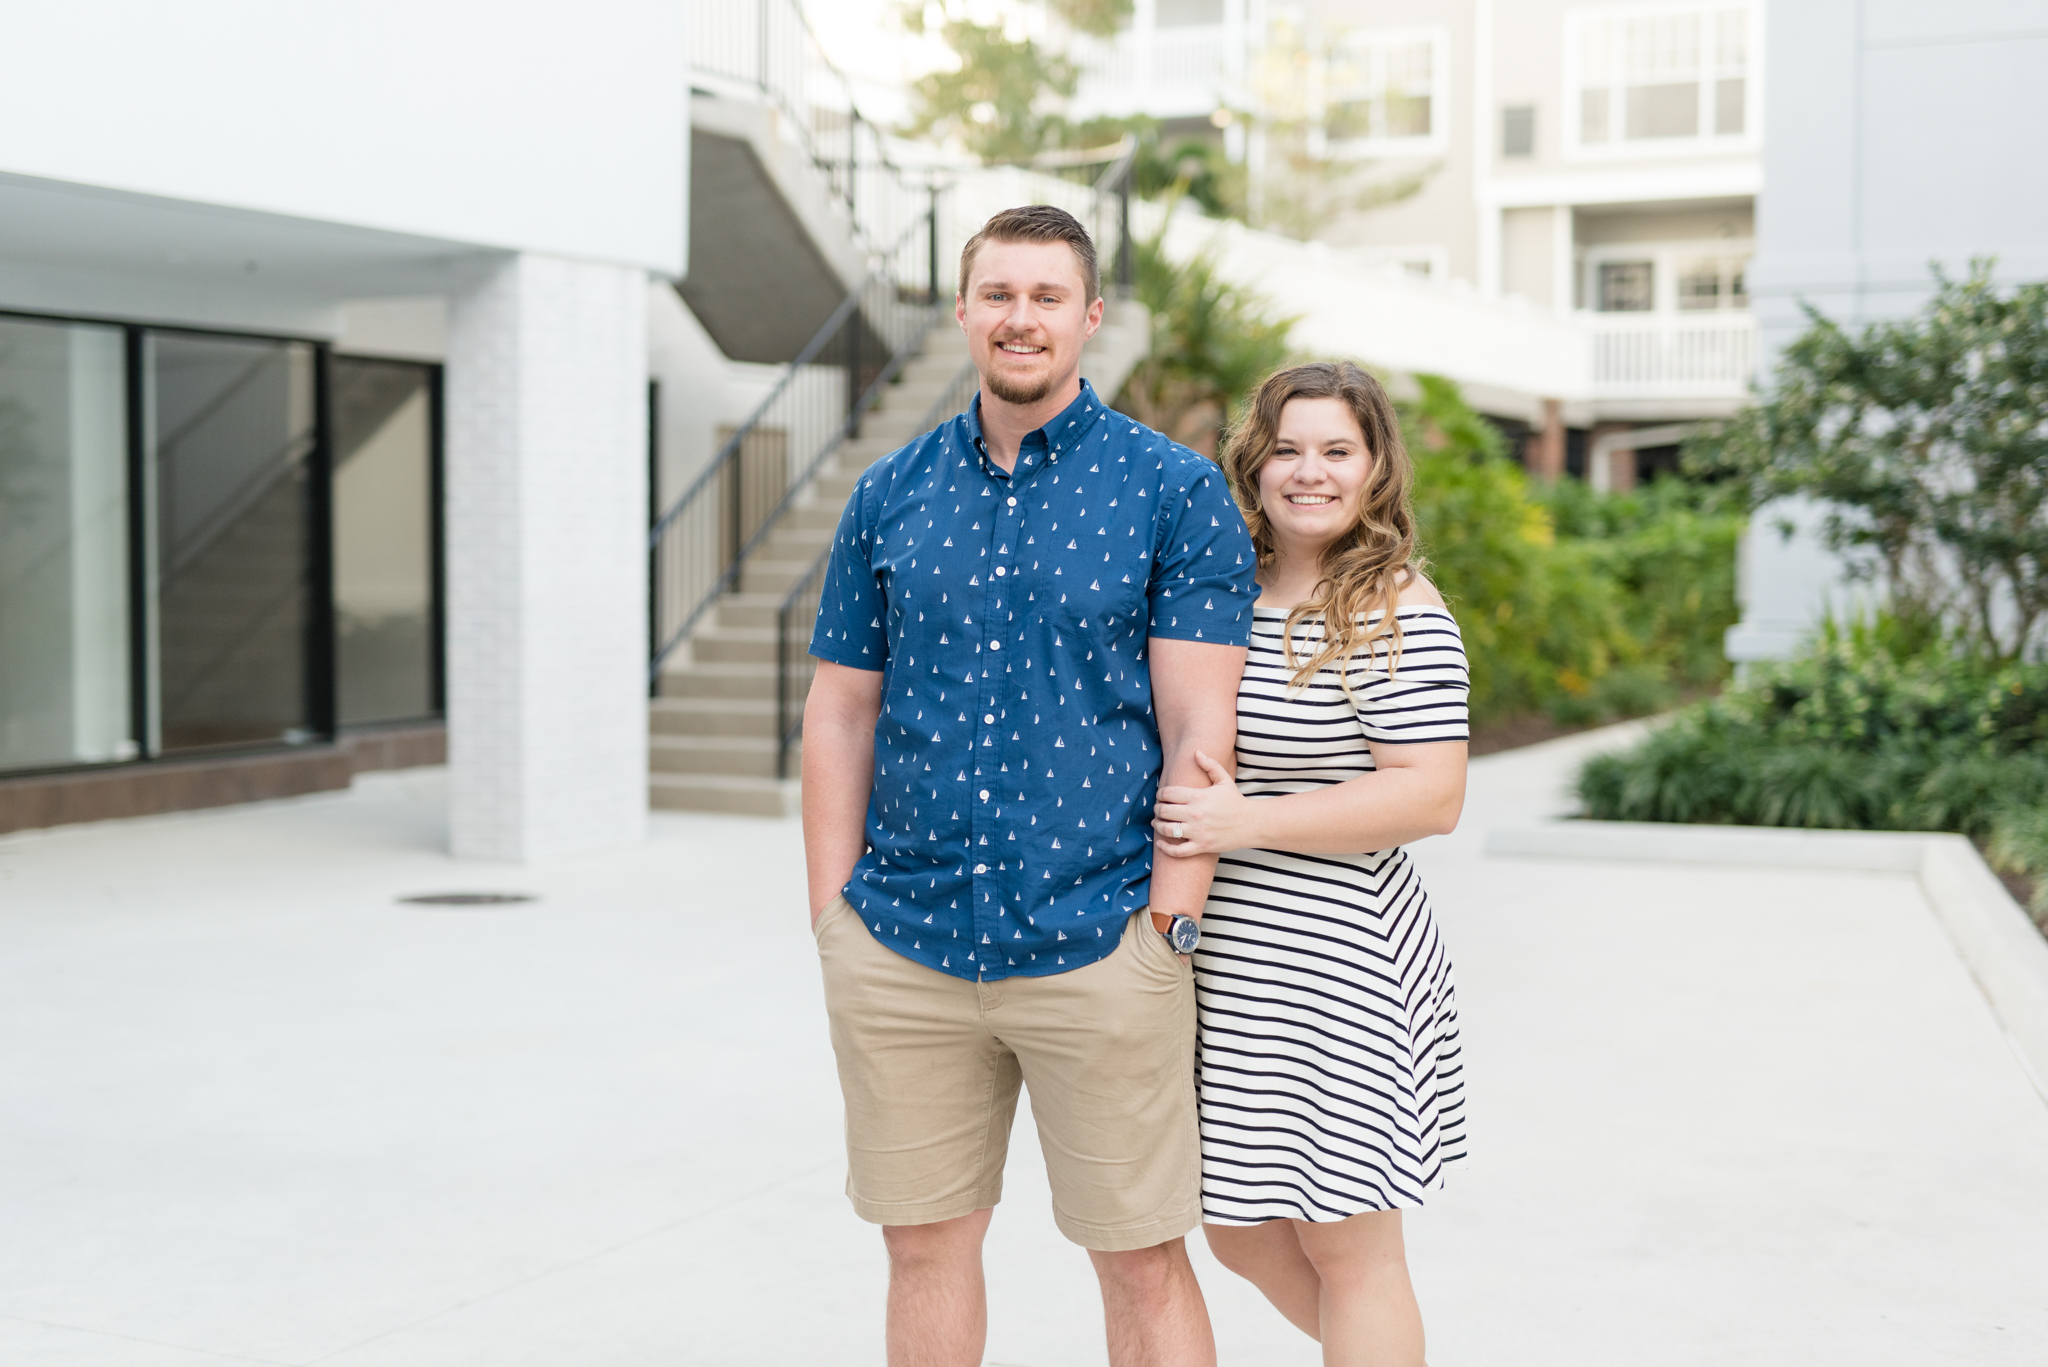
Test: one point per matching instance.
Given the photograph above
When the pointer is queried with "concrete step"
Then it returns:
(819, 515)
(724, 793)
(702, 680)
(772, 576)
(734, 645)
(748, 609)
(713, 717)
(795, 543)
(735, 756)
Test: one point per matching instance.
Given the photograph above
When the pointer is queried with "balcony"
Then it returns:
(1167, 73)
(1671, 355)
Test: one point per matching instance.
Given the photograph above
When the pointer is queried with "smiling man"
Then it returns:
(1033, 616)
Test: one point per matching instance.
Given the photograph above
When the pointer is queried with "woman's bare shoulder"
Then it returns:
(1417, 591)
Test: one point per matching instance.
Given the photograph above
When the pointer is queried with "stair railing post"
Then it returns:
(853, 166)
(761, 56)
(854, 387)
(782, 690)
(931, 239)
(1123, 232)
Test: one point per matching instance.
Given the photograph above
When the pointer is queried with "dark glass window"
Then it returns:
(64, 601)
(1518, 131)
(239, 637)
(1625, 286)
(384, 541)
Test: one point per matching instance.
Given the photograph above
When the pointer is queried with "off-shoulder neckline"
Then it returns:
(1401, 609)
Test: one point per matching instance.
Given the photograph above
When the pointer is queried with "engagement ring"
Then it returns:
(1178, 833)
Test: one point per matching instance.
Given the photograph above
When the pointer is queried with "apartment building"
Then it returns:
(1599, 162)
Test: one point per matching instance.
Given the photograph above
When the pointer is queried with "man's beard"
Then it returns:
(1010, 391)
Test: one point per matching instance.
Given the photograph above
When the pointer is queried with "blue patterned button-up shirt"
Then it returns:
(1016, 755)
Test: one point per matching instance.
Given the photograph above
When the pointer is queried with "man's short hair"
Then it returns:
(1036, 223)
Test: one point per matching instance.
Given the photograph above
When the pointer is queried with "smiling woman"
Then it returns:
(1330, 1088)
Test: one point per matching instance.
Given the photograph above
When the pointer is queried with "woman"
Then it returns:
(1331, 1090)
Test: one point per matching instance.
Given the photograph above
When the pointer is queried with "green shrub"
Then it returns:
(1853, 734)
(1588, 606)
(2019, 844)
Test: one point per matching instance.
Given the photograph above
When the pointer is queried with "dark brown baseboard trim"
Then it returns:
(36, 801)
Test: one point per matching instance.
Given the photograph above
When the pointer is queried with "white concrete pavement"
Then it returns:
(252, 1109)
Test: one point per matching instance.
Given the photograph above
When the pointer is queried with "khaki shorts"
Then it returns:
(930, 1066)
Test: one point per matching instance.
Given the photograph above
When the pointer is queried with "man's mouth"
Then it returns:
(1020, 348)
(1311, 500)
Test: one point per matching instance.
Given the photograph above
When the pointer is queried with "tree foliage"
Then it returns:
(1213, 341)
(1580, 604)
(1005, 97)
(1929, 438)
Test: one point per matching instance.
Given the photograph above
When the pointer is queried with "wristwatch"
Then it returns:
(1182, 932)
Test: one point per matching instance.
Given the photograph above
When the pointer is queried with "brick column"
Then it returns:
(547, 573)
(1621, 463)
(1545, 458)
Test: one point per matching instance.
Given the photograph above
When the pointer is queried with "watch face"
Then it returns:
(1183, 934)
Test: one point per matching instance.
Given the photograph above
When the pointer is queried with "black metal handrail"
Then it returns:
(799, 608)
(699, 545)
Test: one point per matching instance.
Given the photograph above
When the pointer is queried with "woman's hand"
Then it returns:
(1191, 821)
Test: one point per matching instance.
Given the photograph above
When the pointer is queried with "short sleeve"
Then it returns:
(1426, 696)
(1204, 576)
(852, 610)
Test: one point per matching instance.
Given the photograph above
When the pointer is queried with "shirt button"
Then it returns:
(1013, 502)
(995, 645)
(984, 794)
(989, 718)
(1000, 571)
(981, 868)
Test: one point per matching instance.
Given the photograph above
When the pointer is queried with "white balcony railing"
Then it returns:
(1163, 72)
(1671, 355)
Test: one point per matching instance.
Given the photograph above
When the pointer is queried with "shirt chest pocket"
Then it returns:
(1089, 606)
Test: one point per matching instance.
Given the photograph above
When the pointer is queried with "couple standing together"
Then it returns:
(1045, 632)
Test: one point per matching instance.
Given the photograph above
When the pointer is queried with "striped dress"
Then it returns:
(1328, 1057)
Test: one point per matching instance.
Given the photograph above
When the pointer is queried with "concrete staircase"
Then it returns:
(712, 727)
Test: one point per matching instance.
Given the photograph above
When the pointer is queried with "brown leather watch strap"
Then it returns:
(1161, 922)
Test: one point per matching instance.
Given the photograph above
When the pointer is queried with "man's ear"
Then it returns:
(960, 311)
(1094, 317)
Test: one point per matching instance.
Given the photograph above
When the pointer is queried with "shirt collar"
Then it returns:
(1044, 447)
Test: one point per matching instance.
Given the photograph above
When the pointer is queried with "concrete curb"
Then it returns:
(1994, 937)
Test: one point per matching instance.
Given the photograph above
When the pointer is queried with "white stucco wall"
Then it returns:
(538, 128)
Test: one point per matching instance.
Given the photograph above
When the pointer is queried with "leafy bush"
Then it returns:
(1924, 438)
(1854, 734)
(1213, 341)
(1585, 605)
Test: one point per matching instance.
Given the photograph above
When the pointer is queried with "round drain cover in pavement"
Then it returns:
(468, 899)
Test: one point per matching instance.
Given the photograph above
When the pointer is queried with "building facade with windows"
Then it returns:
(323, 416)
(1599, 162)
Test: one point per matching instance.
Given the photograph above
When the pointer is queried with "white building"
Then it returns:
(277, 294)
(344, 365)
(1901, 136)
(1598, 162)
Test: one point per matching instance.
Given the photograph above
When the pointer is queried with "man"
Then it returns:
(1031, 615)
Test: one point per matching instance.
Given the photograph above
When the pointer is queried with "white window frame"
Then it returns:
(1433, 143)
(1704, 143)
(1663, 257)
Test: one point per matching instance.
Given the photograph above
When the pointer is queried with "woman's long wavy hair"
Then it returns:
(1362, 570)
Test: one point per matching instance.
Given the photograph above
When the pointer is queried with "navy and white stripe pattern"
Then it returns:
(1331, 1082)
